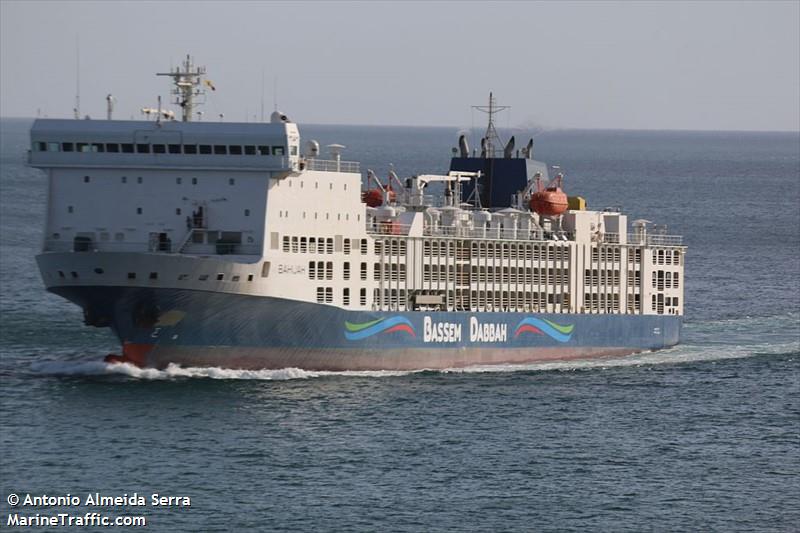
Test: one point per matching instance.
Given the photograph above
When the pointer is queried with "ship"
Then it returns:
(224, 244)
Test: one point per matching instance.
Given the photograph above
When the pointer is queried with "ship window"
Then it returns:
(363, 271)
(247, 212)
(346, 296)
(363, 297)
(174, 148)
(139, 179)
(98, 270)
(40, 146)
(182, 277)
(278, 150)
(205, 148)
(328, 294)
(60, 273)
(142, 148)
(82, 147)
(320, 295)
(131, 275)
(127, 148)
(250, 276)
(67, 147)
(231, 181)
(153, 275)
(177, 210)
(235, 150)
(329, 270)
(303, 245)
(159, 149)
(220, 149)
(56, 236)
(138, 210)
(235, 278)
(293, 150)
(53, 147)
(86, 179)
(98, 147)
(263, 150)
(112, 147)
(311, 270)
(190, 149)
(194, 181)
(250, 150)
(178, 180)
(70, 209)
(124, 179)
(220, 277)
(363, 246)
(285, 243)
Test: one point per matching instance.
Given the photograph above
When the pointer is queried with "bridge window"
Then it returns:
(263, 150)
(174, 148)
(190, 149)
(235, 150)
(127, 148)
(53, 147)
(249, 150)
(112, 147)
(220, 149)
(278, 150)
(205, 148)
(159, 149)
(67, 147)
(142, 148)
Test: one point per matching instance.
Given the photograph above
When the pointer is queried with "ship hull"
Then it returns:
(159, 326)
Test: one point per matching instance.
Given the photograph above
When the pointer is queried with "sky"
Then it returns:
(702, 65)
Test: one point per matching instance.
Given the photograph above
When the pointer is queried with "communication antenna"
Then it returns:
(262, 94)
(491, 135)
(188, 85)
(77, 109)
(109, 106)
(275, 93)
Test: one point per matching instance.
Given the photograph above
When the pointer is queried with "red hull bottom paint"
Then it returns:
(340, 360)
(135, 354)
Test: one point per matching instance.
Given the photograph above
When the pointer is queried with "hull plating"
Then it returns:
(197, 328)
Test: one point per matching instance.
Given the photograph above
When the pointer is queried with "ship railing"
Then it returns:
(465, 232)
(330, 165)
(665, 240)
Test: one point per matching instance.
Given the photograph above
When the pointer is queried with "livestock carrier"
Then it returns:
(226, 244)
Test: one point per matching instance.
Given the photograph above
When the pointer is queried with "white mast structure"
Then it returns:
(188, 84)
(491, 135)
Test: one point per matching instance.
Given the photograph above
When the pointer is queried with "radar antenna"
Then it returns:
(491, 136)
(188, 84)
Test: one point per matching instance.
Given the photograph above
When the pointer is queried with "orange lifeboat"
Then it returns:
(373, 197)
(551, 200)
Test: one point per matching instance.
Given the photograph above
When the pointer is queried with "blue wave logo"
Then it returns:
(541, 326)
(356, 332)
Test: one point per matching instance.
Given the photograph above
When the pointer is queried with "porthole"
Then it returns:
(98, 270)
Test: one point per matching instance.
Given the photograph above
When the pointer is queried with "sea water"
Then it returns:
(700, 437)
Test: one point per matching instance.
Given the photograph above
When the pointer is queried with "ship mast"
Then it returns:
(188, 84)
(491, 137)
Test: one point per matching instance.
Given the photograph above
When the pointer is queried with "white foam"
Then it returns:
(679, 354)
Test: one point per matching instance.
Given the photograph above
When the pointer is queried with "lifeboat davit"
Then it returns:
(549, 201)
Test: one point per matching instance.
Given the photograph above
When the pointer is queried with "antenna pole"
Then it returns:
(262, 94)
(77, 109)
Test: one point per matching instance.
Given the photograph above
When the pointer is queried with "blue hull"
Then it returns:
(197, 328)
